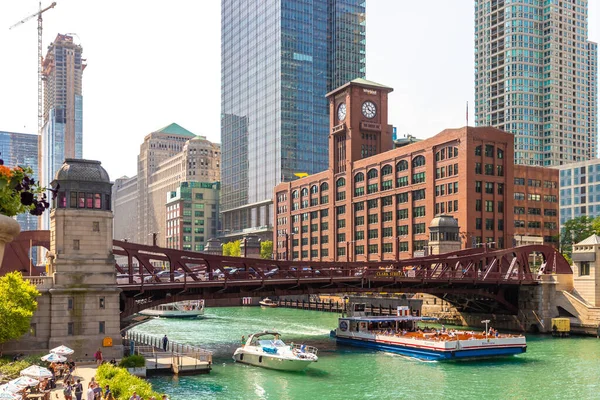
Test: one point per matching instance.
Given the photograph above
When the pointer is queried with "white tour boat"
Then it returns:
(401, 334)
(181, 309)
(267, 350)
(267, 302)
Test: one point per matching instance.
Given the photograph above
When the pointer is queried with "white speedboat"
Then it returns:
(181, 309)
(267, 302)
(267, 350)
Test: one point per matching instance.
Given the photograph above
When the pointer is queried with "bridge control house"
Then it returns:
(376, 203)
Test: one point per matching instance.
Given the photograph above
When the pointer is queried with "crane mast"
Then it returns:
(40, 58)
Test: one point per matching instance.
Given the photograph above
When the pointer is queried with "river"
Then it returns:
(550, 369)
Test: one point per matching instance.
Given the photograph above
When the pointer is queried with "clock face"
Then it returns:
(368, 109)
(342, 111)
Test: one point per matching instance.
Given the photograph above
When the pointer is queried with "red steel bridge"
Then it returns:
(477, 280)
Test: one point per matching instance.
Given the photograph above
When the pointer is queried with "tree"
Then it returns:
(17, 305)
(576, 230)
(266, 249)
(232, 249)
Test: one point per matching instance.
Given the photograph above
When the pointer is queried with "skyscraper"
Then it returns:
(63, 107)
(278, 60)
(21, 149)
(536, 77)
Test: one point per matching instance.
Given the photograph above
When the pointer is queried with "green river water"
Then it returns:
(550, 369)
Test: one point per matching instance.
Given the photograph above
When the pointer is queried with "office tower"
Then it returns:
(168, 157)
(278, 60)
(63, 108)
(536, 77)
(21, 149)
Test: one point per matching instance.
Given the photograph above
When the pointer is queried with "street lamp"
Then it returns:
(486, 322)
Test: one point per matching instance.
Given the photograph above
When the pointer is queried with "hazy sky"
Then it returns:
(151, 63)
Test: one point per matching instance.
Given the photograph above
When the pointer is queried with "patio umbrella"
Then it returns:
(24, 381)
(62, 350)
(4, 394)
(54, 357)
(37, 372)
(9, 387)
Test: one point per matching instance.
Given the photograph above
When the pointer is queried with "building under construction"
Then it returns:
(63, 106)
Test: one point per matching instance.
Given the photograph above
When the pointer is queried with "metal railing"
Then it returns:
(150, 344)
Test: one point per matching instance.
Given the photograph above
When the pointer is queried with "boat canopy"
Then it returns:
(389, 318)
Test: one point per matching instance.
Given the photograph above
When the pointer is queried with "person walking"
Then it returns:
(98, 357)
(165, 342)
(78, 389)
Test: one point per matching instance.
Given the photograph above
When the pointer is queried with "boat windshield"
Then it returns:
(274, 343)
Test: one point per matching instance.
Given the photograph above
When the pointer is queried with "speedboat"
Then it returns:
(267, 350)
(401, 334)
(181, 309)
(267, 302)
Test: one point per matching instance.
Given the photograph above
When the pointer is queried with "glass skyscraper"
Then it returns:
(21, 149)
(536, 76)
(278, 60)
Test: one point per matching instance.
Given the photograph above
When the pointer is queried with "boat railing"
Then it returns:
(302, 348)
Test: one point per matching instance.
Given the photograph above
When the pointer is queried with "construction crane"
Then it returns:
(40, 56)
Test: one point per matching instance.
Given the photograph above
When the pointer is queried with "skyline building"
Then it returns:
(62, 132)
(278, 61)
(536, 76)
(21, 149)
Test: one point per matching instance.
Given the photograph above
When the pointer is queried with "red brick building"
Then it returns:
(375, 202)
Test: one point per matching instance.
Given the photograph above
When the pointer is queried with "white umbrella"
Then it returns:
(4, 394)
(24, 381)
(54, 357)
(37, 372)
(62, 350)
(9, 387)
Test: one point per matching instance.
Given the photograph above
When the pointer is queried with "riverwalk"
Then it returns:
(84, 372)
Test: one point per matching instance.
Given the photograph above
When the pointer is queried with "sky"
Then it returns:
(151, 63)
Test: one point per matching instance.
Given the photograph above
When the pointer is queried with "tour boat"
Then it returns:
(267, 350)
(401, 334)
(267, 302)
(181, 309)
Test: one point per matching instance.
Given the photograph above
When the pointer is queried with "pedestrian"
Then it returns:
(243, 340)
(134, 396)
(78, 389)
(165, 342)
(106, 390)
(164, 397)
(68, 390)
(98, 357)
(90, 392)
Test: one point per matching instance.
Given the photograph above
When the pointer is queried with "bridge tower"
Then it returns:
(443, 235)
(84, 300)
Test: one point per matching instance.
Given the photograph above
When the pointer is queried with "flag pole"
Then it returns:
(467, 113)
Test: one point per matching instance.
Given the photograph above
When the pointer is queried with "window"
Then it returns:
(295, 194)
(387, 201)
(304, 192)
(75, 244)
(70, 303)
(534, 211)
(500, 153)
(359, 235)
(324, 213)
(550, 198)
(386, 185)
(101, 326)
(489, 187)
(418, 177)
(489, 169)
(314, 253)
(95, 226)
(478, 150)
(403, 246)
(501, 207)
(478, 168)
(419, 212)
(340, 182)
(387, 232)
(519, 196)
(324, 186)
(477, 205)
(373, 234)
(519, 224)
(500, 188)
(341, 237)
(101, 303)
(477, 223)
(359, 206)
(584, 269)
(519, 181)
(549, 212)
(402, 198)
(314, 227)
(358, 250)
(372, 188)
(402, 181)
(418, 228)
(489, 150)
(372, 173)
(70, 328)
(324, 239)
(373, 218)
(534, 182)
(387, 216)
(519, 210)
(341, 251)
(324, 226)
(33, 330)
(314, 189)
(339, 196)
(534, 224)
(478, 186)
(341, 223)
(386, 170)
(500, 170)
(359, 177)
(418, 161)
(340, 210)
(489, 206)
(372, 204)
(359, 221)
(534, 197)
(373, 249)
(402, 166)
(418, 194)
(387, 247)
(489, 224)
(403, 213)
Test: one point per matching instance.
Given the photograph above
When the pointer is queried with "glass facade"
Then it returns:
(536, 77)
(579, 190)
(278, 60)
(21, 149)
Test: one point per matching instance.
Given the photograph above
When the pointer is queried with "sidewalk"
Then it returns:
(85, 372)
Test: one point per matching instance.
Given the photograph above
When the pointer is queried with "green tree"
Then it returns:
(232, 249)
(576, 230)
(266, 249)
(17, 305)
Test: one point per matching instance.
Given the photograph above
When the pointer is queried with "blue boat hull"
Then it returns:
(430, 355)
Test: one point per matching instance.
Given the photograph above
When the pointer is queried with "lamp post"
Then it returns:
(486, 322)
(245, 239)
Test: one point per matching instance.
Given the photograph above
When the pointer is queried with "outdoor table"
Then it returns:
(35, 395)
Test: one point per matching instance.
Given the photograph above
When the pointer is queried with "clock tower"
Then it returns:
(358, 123)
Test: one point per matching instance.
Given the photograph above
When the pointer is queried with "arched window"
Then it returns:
(372, 173)
(295, 194)
(304, 192)
(340, 182)
(402, 166)
(314, 189)
(324, 186)
(386, 170)
(359, 177)
(418, 161)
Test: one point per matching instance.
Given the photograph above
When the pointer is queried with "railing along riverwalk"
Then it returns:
(178, 357)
